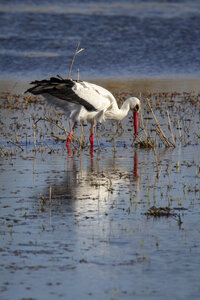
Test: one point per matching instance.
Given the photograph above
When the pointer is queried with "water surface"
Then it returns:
(133, 39)
(74, 225)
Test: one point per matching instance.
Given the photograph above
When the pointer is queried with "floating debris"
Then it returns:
(165, 211)
(160, 212)
(145, 144)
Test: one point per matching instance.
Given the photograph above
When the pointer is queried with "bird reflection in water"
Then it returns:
(97, 180)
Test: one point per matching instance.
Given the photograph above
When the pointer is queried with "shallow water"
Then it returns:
(133, 39)
(93, 240)
(73, 225)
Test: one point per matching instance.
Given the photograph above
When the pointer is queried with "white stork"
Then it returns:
(84, 101)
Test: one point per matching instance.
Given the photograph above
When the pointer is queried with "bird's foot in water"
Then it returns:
(69, 151)
(91, 151)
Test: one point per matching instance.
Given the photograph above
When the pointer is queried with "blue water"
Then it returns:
(121, 38)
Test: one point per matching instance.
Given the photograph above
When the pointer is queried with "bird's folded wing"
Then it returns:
(91, 96)
(61, 89)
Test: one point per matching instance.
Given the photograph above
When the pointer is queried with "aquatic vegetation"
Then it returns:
(160, 212)
(167, 119)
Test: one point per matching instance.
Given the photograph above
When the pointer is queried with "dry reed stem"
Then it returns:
(81, 139)
(114, 138)
(34, 137)
(16, 144)
(161, 133)
(58, 138)
(76, 52)
(4, 151)
(141, 118)
(170, 128)
(50, 199)
(97, 137)
(161, 137)
(50, 148)
(179, 129)
(154, 150)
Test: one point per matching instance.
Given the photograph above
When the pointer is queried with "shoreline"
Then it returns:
(131, 85)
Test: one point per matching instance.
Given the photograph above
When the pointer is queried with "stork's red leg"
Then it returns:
(70, 134)
(92, 136)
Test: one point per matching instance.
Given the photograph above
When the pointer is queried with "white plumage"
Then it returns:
(84, 101)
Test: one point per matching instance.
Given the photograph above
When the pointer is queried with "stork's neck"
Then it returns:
(116, 113)
(121, 113)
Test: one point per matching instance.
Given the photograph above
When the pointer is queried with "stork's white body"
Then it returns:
(84, 101)
(102, 100)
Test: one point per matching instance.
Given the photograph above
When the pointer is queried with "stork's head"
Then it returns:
(135, 106)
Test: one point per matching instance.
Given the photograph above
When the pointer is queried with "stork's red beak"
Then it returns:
(136, 122)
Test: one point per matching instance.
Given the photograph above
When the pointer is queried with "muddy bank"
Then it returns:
(152, 84)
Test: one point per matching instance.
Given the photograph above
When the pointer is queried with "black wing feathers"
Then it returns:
(60, 88)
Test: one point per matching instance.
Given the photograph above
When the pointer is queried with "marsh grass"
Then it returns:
(159, 129)
(165, 120)
(144, 141)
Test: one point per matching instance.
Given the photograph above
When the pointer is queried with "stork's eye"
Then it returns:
(136, 107)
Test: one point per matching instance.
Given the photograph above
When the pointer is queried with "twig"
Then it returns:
(5, 152)
(51, 149)
(114, 138)
(154, 149)
(96, 134)
(158, 125)
(76, 52)
(34, 138)
(143, 124)
(50, 199)
(54, 123)
(179, 129)
(16, 144)
(58, 138)
(81, 139)
(50, 121)
(170, 128)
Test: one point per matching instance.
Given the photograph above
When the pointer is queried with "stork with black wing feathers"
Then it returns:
(84, 101)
